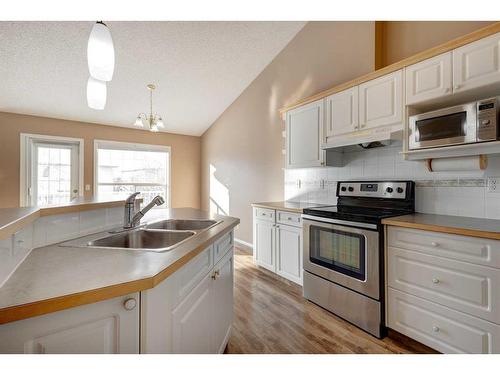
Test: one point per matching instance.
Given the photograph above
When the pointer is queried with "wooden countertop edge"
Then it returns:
(32, 309)
(444, 229)
(295, 210)
(427, 54)
(11, 228)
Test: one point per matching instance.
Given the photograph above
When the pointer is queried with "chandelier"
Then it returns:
(153, 122)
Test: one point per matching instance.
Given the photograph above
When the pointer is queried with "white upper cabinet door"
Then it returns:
(342, 112)
(429, 79)
(381, 101)
(477, 64)
(304, 135)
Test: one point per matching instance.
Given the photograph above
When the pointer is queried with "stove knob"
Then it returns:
(399, 190)
(343, 188)
(350, 188)
(389, 190)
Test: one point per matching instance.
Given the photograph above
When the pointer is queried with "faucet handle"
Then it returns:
(131, 198)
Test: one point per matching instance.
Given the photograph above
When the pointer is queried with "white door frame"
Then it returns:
(25, 169)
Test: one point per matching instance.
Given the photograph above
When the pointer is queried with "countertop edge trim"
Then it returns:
(295, 210)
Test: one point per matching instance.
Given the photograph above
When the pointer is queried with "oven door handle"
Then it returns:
(340, 222)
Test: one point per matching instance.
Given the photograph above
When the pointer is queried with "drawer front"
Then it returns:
(222, 246)
(440, 328)
(265, 214)
(288, 218)
(462, 286)
(468, 249)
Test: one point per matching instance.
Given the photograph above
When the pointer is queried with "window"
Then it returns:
(51, 169)
(125, 168)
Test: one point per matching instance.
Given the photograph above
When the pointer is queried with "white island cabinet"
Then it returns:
(192, 310)
(105, 327)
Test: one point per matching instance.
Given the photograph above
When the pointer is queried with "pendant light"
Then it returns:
(101, 53)
(96, 93)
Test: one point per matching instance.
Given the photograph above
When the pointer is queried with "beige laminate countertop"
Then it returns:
(55, 278)
(466, 226)
(289, 206)
(13, 219)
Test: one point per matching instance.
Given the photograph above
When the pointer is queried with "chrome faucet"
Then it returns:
(131, 218)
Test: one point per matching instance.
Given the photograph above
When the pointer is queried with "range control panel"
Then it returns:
(373, 189)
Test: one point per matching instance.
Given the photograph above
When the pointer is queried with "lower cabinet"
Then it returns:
(278, 246)
(106, 327)
(443, 289)
(179, 316)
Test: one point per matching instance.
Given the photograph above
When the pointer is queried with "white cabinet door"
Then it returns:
(100, 328)
(477, 64)
(304, 135)
(381, 101)
(192, 326)
(264, 244)
(223, 301)
(289, 251)
(342, 112)
(429, 79)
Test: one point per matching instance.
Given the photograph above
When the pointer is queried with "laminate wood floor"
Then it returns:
(271, 316)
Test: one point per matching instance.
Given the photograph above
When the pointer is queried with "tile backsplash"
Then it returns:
(447, 193)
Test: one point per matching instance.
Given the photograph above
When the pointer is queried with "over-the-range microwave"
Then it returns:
(467, 123)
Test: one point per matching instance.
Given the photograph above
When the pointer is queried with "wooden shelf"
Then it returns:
(472, 149)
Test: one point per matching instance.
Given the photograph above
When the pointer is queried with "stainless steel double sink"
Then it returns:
(158, 236)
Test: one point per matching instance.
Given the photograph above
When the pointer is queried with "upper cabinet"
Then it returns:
(477, 64)
(381, 101)
(304, 135)
(429, 79)
(342, 112)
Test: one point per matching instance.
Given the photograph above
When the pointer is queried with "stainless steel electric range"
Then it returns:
(344, 249)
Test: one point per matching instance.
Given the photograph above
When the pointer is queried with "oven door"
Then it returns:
(343, 254)
(445, 127)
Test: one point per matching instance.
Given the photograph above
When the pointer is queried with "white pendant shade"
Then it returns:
(101, 53)
(96, 93)
(159, 123)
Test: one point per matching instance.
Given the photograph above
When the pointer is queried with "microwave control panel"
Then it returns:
(487, 120)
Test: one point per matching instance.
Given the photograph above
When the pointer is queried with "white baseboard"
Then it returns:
(245, 245)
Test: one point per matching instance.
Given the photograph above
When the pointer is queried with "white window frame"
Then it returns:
(25, 168)
(134, 147)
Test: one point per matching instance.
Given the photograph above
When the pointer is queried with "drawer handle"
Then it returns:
(264, 214)
(435, 280)
(289, 218)
(435, 328)
(434, 244)
(215, 275)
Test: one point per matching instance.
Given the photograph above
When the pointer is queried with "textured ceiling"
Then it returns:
(199, 68)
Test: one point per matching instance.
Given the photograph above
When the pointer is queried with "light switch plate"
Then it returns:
(87, 187)
(493, 184)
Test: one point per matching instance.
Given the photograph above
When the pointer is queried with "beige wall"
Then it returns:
(244, 144)
(404, 38)
(185, 174)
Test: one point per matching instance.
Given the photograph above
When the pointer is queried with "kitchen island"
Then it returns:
(54, 278)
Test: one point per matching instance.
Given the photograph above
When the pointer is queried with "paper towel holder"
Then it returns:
(478, 162)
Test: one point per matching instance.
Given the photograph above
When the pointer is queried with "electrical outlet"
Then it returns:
(493, 184)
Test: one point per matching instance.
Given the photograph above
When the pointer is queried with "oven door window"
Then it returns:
(341, 251)
(442, 127)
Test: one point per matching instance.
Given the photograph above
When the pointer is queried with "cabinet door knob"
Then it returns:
(456, 87)
(129, 304)
(434, 244)
(215, 275)
(435, 328)
(435, 280)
